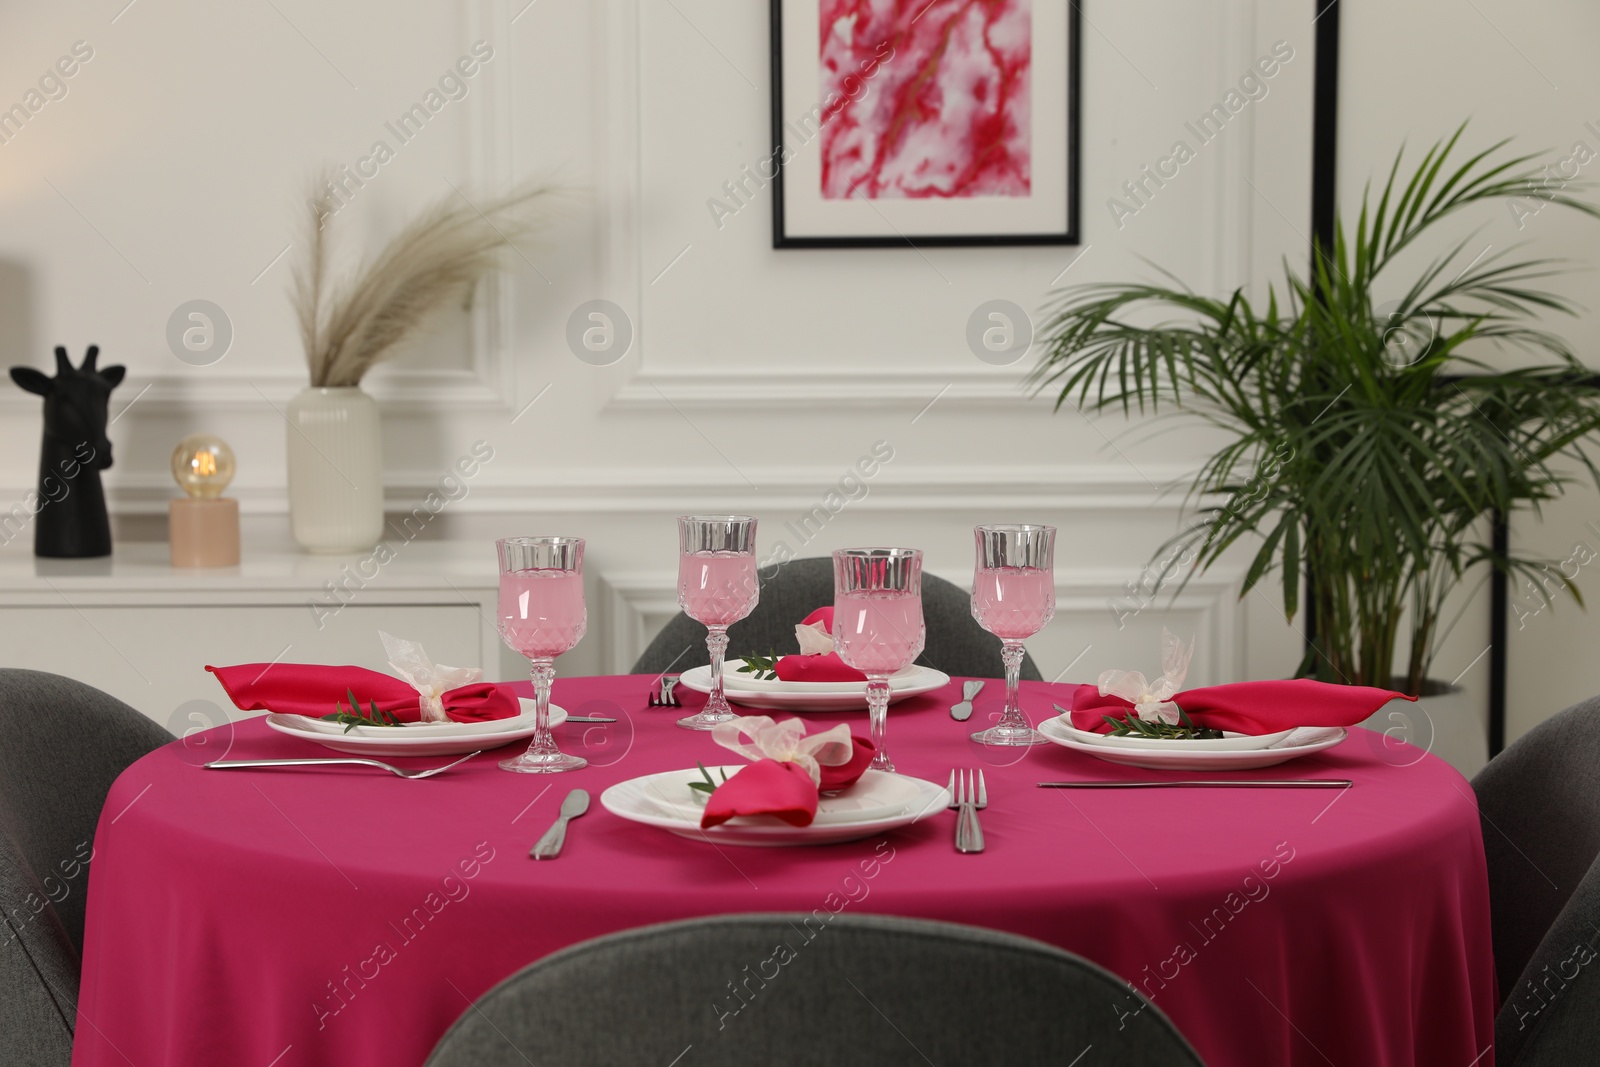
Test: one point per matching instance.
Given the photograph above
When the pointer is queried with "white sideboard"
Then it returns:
(142, 630)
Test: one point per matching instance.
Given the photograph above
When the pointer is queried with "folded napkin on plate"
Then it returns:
(1246, 707)
(789, 771)
(817, 662)
(316, 690)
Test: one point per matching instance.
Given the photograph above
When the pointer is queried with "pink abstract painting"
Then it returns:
(926, 98)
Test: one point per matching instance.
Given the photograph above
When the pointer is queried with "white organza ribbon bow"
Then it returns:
(786, 742)
(431, 680)
(814, 639)
(1153, 700)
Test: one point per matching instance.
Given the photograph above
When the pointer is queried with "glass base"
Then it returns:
(706, 720)
(880, 762)
(551, 763)
(1010, 736)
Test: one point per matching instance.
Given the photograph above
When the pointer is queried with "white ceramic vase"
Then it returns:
(335, 470)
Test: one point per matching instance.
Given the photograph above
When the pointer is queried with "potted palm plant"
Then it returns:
(1370, 435)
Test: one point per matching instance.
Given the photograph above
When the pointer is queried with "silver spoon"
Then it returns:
(548, 847)
(963, 711)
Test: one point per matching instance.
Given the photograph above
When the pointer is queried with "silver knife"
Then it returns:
(548, 847)
(588, 718)
(1310, 783)
(963, 711)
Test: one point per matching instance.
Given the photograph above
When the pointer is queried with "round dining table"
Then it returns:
(342, 916)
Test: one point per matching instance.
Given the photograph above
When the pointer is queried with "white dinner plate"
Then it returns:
(1228, 742)
(1299, 742)
(878, 801)
(809, 696)
(414, 739)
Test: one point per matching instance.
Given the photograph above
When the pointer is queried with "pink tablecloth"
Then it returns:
(346, 917)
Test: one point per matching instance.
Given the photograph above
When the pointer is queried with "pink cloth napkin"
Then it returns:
(824, 667)
(768, 787)
(316, 690)
(845, 774)
(1248, 707)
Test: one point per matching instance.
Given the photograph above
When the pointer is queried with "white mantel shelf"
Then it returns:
(143, 630)
(144, 567)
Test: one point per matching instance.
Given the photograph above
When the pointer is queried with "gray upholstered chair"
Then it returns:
(62, 744)
(789, 989)
(1540, 807)
(956, 643)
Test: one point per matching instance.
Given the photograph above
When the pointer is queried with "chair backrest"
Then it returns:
(1540, 807)
(62, 744)
(38, 969)
(791, 989)
(956, 644)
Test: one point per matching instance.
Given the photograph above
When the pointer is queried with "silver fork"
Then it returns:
(969, 795)
(225, 764)
(983, 793)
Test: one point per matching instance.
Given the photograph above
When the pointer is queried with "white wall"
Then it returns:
(1412, 72)
(173, 170)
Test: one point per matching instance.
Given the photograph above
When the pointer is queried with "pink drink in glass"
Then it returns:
(1013, 596)
(541, 616)
(878, 632)
(717, 588)
(1013, 603)
(542, 612)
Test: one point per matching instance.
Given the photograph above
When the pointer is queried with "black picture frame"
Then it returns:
(1071, 236)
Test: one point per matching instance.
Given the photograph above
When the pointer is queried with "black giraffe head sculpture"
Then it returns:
(69, 512)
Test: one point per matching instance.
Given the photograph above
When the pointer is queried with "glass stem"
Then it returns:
(544, 674)
(878, 720)
(1011, 653)
(717, 645)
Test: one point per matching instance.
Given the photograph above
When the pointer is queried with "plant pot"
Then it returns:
(1443, 721)
(335, 470)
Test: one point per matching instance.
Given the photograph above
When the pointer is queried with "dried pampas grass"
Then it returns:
(348, 327)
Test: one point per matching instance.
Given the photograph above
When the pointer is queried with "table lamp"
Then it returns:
(203, 528)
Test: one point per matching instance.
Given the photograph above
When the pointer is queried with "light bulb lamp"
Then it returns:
(203, 527)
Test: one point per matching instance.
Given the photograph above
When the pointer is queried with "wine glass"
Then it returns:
(877, 623)
(716, 587)
(542, 615)
(1013, 596)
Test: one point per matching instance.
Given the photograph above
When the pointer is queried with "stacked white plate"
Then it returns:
(414, 739)
(878, 801)
(746, 689)
(1231, 752)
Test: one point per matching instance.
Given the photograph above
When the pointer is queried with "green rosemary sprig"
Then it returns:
(354, 716)
(708, 786)
(765, 668)
(1132, 726)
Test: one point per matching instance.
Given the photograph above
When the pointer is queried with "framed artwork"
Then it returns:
(924, 122)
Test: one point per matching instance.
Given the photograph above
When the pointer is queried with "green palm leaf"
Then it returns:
(1367, 439)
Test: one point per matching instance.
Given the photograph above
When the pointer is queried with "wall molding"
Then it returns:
(642, 382)
(651, 490)
(488, 383)
(836, 387)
